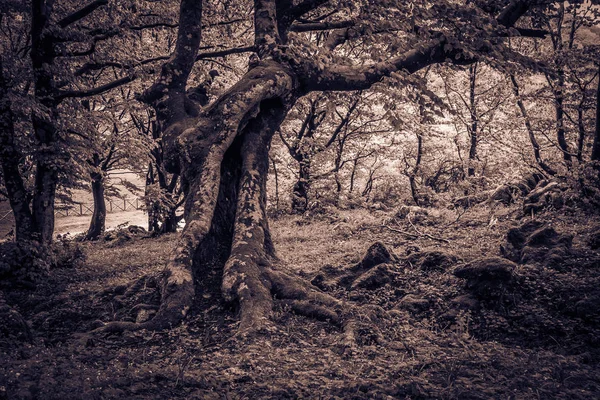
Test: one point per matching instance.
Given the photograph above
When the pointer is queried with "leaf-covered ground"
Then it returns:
(440, 342)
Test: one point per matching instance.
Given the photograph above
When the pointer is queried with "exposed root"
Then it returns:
(305, 299)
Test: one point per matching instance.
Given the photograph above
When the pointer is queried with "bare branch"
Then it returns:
(82, 13)
(320, 26)
(94, 91)
(222, 53)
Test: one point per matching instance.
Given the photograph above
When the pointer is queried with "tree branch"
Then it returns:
(82, 13)
(320, 26)
(343, 78)
(222, 53)
(94, 91)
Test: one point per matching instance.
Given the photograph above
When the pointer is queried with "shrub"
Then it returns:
(30, 261)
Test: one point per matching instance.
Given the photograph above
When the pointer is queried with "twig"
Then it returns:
(399, 231)
(425, 234)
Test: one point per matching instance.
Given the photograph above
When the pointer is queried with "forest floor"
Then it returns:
(539, 340)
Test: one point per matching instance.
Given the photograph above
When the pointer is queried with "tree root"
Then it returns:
(307, 300)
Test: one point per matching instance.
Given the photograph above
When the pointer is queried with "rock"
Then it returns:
(375, 255)
(516, 239)
(546, 194)
(432, 260)
(136, 230)
(413, 303)
(492, 268)
(374, 278)
(487, 277)
(535, 242)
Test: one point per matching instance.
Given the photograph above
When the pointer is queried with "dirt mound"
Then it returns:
(537, 243)
(432, 260)
(487, 278)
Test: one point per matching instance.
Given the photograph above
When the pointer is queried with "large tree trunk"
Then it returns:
(98, 222)
(47, 159)
(596, 144)
(10, 158)
(224, 163)
(46, 181)
(206, 157)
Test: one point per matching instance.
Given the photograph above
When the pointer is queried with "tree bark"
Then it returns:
(10, 158)
(46, 175)
(474, 121)
(412, 176)
(560, 117)
(98, 222)
(596, 143)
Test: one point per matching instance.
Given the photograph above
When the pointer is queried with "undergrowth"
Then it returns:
(440, 340)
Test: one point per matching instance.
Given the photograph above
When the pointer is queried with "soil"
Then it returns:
(537, 337)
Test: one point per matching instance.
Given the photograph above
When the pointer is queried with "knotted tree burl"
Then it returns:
(221, 154)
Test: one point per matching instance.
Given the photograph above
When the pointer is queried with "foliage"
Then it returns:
(31, 261)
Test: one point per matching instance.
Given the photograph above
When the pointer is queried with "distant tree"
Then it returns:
(308, 140)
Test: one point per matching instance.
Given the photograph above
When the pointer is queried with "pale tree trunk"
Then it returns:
(534, 143)
(98, 222)
(559, 89)
(473, 129)
(412, 176)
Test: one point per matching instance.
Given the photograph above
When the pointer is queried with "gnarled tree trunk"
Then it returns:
(221, 154)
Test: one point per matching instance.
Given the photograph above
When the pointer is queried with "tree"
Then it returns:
(534, 143)
(475, 102)
(221, 151)
(48, 46)
(305, 144)
(596, 143)
(110, 143)
(568, 72)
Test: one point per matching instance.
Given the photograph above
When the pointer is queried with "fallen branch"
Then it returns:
(425, 234)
